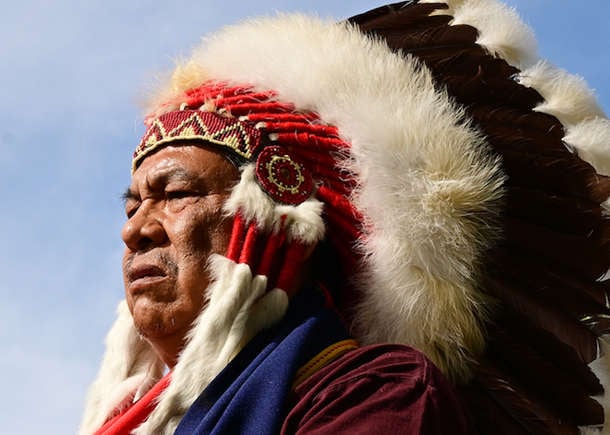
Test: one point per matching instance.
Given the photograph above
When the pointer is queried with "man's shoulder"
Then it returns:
(383, 386)
(384, 363)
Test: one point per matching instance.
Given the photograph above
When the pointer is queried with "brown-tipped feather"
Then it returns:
(562, 214)
(543, 275)
(502, 120)
(540, 371)
(549, 318)
(582, 255)
(401, 14)
(544, 281)
(548, 173)
(499, 406)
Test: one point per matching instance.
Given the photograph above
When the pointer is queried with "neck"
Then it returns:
(168, 349)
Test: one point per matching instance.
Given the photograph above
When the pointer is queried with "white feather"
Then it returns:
(129, 366)
(501, 31)
(591, 140)
(248, 199)
(566, 96)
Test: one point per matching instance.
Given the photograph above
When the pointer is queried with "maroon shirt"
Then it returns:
(381, 389)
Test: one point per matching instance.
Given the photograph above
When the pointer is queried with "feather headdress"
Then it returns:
(459, 182)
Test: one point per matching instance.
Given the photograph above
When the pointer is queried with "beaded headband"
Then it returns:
(280, 175)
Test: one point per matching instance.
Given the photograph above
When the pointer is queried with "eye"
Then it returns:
(178, 194)
(130, 210)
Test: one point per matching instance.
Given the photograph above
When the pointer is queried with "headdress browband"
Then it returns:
(280, 175)
(231, 133)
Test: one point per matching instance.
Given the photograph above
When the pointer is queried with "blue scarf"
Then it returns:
(250, 396)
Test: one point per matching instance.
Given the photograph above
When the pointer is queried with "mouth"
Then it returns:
(143, 276)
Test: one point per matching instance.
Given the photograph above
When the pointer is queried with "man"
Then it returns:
(299, 179)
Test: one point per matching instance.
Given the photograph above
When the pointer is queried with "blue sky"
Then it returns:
(71, 73)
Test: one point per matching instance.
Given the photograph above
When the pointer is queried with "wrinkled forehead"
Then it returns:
(185, 164)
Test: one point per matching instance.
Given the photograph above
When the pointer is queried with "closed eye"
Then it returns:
(179, 194)
(130, 210)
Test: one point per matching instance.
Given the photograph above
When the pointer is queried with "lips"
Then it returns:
(145, 271)
(140, 277)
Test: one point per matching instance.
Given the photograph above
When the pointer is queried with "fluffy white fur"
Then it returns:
(248, 198)
(302, 222)
(591, 140)
(238, 309)
(129, 366)
(425, 177)
(567, 97)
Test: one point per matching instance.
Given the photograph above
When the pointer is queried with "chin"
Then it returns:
(155, 320)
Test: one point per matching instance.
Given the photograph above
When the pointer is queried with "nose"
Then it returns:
(144, 229)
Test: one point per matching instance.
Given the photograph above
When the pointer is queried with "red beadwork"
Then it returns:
(231, 133)
(284, 179)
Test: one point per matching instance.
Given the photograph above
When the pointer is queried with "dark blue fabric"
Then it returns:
(250, 395)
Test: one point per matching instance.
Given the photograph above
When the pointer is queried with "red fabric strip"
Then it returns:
(289, 272)
(270, 252)
(132, 417)
(248, 251)
(237, 236)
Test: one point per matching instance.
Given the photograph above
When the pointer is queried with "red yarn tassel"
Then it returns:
(248, 251)
(307, 139)
(245, 109)
(302, 127)
(294, 258)
(271, 251)
(254, 98)
(340, 205)
(237, 237)
(283, 117)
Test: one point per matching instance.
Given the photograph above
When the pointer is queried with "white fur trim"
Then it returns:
(238, 309)
(424, 174)
(248, 199)
(601, 369)
(302, 222)
(567, 97)
(129, 366)
(591, 140)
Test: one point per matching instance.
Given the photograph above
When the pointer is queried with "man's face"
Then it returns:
(175, 221)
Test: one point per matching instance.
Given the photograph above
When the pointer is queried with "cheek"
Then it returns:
(127, 260)
(218, 234)
(199, 234)
(204, 231)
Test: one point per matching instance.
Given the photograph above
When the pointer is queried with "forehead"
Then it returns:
(186, 162)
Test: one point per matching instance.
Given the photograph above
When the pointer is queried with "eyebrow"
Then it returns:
(162, 176)
(128, 195)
